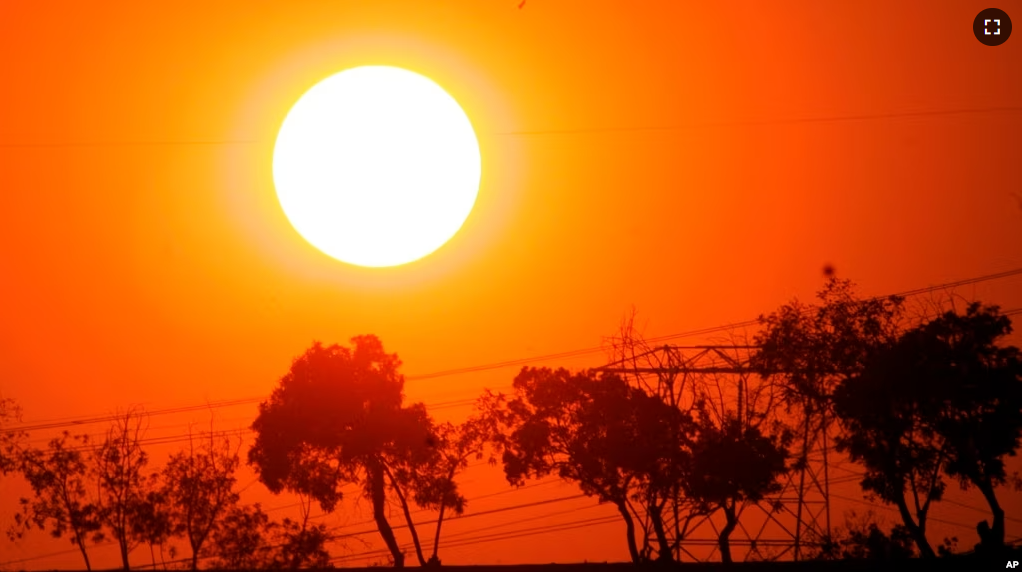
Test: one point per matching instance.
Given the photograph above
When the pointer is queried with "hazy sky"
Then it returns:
(700, 163)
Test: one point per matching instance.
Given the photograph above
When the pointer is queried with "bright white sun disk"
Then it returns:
(376, 166)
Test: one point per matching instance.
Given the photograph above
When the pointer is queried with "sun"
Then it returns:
(376, 166)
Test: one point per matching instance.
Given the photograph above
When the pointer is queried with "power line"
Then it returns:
(464, 542)
(70, 422)
(958, 283)
(553, 528)
(551, 480)
(548, 481)
(892, 509)
(559, 527)
(583, 523)
(182, 438)
(703, 331)
(541, 483)
(470, 515)
(478, 539)
(858, 474)
(521, 520)
(58, 424)
(51, 554)
(519, 533)
(770, 122)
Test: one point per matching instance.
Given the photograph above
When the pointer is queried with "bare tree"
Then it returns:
(199, 488)
(120, 462)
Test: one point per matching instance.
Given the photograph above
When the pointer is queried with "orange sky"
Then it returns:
(700, 163)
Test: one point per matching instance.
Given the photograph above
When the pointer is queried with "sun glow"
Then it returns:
(376, 166)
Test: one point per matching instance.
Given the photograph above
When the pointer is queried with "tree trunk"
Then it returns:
(679, 534)
(440, 520)
(633, 550)
(122, 542)
(195, 542)
(434, 559)
(918, 531)
(996, 536)
(724, 540)
(81, 546)
(664, 547)
(408, 516)
(378, 493)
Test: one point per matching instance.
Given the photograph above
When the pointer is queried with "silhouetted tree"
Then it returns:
(120, 462)
(59, 477)
(337, 417)
(718, 403)
(886, 431)
(199, 489)
(809, 348)
(943, 396)
(611, 439)
(413, 460)
(969, 393)
(733, 462)
(806, 350)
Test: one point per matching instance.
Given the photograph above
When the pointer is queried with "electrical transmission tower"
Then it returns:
(781, 525)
